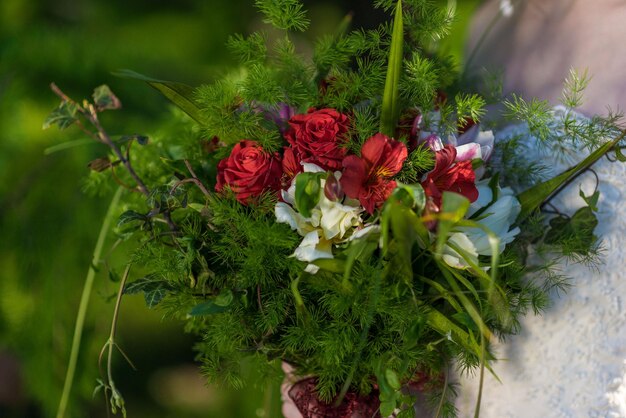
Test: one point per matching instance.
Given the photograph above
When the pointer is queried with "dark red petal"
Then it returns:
(353, 177)
(291, 163)
(385, 155)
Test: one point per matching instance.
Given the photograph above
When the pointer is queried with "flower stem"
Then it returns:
(84, 303)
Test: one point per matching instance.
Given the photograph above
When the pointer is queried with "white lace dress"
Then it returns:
(570, 362)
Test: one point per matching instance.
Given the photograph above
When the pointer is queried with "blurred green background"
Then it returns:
(49, 226)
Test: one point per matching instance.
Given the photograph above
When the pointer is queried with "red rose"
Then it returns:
(317, 137)
(369, 178)
(450, 176)
(249, 171)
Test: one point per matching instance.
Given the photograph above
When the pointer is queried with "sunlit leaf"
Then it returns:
(391, 106)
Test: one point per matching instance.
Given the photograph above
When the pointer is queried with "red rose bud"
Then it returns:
(249, 171)
(450, 176)
(369, 178)
(430, 209)
(333, 190)
(317, 137)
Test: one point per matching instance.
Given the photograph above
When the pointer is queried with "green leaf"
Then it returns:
(104, 99)
(402, 221)
(308, 192)
(225, 298)
(592, 201)
(440, 323)
(391, 107)
(359, 249)
(387, 408)
(333, 265)
(465, 319)
(408, 412)
(153, 287)
(414, 332)
(178, 93)
(154, 297)
(392, 379)
(208, 308)
(533, 198)
(130, 216)
(410, 195)
(63, 116)
(578, 228)
(453, 208)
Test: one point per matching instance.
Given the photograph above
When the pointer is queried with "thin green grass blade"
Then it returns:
(391, 106)
(67, 145)
(178, 93)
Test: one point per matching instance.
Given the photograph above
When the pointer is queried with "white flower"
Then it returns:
(313, 248)
(452, 257)
(336, 218)
(364, 232)
(498, 217)
(329, 222)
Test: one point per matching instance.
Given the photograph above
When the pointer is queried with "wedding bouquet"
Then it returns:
(349, 215)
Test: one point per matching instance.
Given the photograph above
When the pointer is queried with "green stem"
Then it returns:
(117, 399)
(482, 376)
(84, 303)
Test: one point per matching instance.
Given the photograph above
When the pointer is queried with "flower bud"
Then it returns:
(333, 190)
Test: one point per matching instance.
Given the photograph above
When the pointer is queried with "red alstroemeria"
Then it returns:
(369, 178)
(291, 166)
(450, 176)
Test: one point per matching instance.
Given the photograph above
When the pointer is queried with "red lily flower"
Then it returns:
(369, 178)
(448, 176)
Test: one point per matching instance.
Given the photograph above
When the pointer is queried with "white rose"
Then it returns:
(329, 222)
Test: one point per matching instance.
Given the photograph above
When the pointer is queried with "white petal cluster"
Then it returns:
(330, 221)
(498, 217)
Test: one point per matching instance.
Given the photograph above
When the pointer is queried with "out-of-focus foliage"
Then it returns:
(49, 225)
